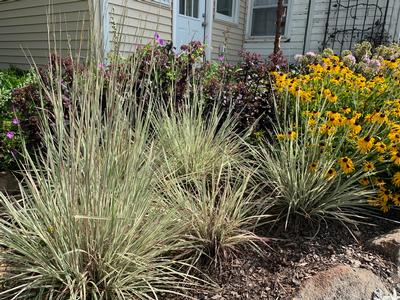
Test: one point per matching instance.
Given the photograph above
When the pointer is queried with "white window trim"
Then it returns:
(234, 19)
(285, 36)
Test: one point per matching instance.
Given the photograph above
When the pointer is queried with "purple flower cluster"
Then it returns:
(10, 134)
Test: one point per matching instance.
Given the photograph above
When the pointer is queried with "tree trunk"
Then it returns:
(279, 15)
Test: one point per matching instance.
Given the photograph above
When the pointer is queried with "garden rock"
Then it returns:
(388, 245)
(8, 183)
(341, 283)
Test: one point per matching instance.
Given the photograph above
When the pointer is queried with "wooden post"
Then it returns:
(279, 15)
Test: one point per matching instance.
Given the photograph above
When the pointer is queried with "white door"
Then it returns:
(190, 18)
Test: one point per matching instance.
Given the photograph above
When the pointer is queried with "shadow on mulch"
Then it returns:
(286, 262)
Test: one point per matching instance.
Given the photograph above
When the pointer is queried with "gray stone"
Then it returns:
(388, 245)
(341, 283)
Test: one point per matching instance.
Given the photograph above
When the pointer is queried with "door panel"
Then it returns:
(190, 18)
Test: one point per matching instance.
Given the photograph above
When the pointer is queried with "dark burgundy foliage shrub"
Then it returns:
(243, 88)
(277, 61)
(25, 101)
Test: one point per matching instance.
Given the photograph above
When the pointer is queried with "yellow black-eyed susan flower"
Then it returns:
(380, 147)
(396, 179)
(312, 167)
(346, 165)
(379, 117)
(368, 166)
(385, 208)
(346, 110)
(379, 182)
(396, 158)
(355, 128)
(327, 129)
(291, 135)
(365, 144)
(396, 199)
(331, 173)
(394, 136)
(280, 136)
(384, 195)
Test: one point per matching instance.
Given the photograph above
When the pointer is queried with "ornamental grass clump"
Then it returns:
(307, 176)
(86, 226)
(206, 179)
(218, 216)
(195, 141)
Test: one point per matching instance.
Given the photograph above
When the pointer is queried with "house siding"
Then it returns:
(229, 36)
(394, 22)
(137, 21)
(23, 25)
(320, 16)
(298, 39)
(297, 22)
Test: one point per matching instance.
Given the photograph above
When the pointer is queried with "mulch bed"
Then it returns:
(286, 262)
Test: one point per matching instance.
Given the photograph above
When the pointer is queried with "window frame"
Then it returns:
(285, 35)
(234, 19)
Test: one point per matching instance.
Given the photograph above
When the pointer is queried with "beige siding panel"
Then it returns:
(394, 22)
(138, 21)
(23, 25)
(295, 39)
(42, 9)
(228, 35)
(13, 5)
(71, 27)
(35, 20)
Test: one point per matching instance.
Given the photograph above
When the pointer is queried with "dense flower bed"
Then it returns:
(354, 103)
(243, 88)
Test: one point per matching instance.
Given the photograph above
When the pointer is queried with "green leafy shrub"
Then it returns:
(243, 89)
(11, 134)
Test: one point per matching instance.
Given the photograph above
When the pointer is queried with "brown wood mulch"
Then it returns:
(286, 262)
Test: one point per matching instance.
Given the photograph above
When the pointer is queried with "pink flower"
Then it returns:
(298, 57)
(10, 134)
(374, 63)
(159, 40)
(15, 121)
(221, 58)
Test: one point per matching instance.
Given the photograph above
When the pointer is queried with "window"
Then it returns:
(263, 17)
(227, 10)
(189, 8)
